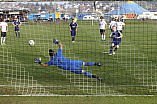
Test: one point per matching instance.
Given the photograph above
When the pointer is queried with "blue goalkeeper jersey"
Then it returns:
(60, 61)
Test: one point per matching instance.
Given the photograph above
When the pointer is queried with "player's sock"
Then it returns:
(115, 49)
(111, 49)
(73, 38)
(102, 37)
(88, 74)
(19, 34)
(3, 39)
(89, 63)
(16, 34)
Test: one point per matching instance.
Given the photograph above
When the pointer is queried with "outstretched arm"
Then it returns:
(38, 61)
(109, 41)
(44, 65)
(59, 44)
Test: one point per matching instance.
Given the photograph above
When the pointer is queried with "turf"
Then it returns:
(78, 100)
(131, 71)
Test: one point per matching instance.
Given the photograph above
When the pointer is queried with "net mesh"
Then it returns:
(131, 71)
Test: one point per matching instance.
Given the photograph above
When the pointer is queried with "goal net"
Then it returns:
(130, 71)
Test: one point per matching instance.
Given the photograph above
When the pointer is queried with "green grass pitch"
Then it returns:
(131, 71)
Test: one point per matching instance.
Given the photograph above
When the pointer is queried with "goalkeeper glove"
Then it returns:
(37, 61)
(55, 41)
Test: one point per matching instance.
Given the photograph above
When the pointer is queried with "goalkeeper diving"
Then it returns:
(60, 61)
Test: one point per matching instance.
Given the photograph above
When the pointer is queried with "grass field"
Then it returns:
(131, 71)
(79, 100)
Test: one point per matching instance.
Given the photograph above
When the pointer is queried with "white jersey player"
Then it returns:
(120, 25)
(112, 23)
(4, 30)
(103, 27)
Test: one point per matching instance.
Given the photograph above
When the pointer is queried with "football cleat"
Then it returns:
(98, 78)
(110, 54)
(114, 52)
(99, 64)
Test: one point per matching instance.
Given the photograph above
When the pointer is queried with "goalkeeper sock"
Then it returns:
(111, 49)
(87, 74)
(89, 63)
(1, 40)
(19, 34)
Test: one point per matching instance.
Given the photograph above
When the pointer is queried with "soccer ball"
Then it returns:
(31, 43)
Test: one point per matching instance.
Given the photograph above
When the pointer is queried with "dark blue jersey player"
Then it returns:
(73, 28)
(17, 24)
(116, 39)
(60, 61)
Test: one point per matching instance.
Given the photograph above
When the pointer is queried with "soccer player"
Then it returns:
(4, 30)
(73, 28)
(116, 39)
(120, 25)
(17, 24)
(103, 26)
(60, 61)
(112, 23)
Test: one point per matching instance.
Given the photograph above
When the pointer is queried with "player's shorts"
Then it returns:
(17, 29)
(3, 34)
(73, 33)
(120, 31)
(76, 70)
(75, 63)
(116, 43)
(102, 30)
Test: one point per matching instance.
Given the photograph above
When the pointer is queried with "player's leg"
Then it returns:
(101, 32)
(4, 36)
(104, 35)
(1, 38)
(73, 33)
(16, 31)
(92, 64)
(73, 38)
(91, 75)
(19, 33)
(111, 48)
(78, 70)
(79, 63)
(117, 46)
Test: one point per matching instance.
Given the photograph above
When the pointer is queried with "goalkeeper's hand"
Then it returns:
(37, 60)
(55, 41)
